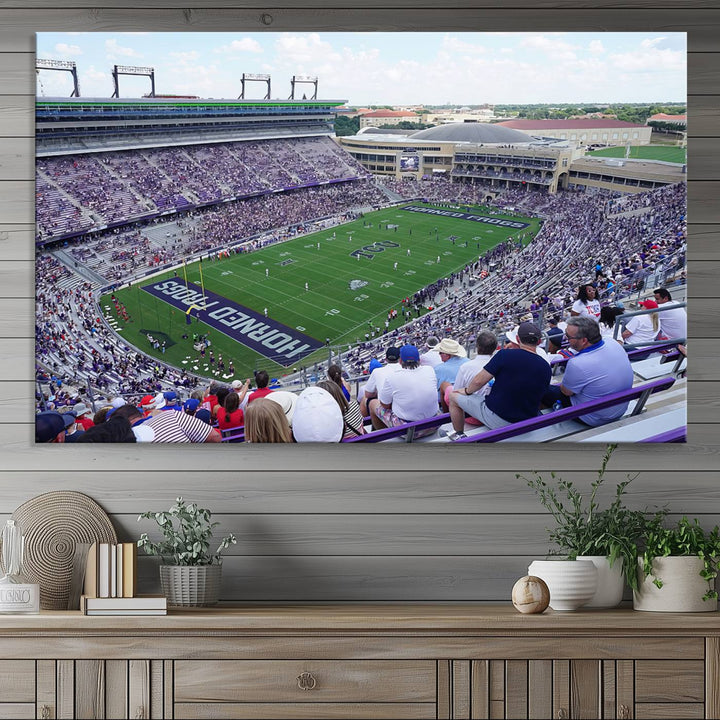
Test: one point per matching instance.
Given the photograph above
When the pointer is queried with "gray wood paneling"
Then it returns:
(355, 524)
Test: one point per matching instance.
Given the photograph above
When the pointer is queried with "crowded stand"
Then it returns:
(594, 250)
(80, 192)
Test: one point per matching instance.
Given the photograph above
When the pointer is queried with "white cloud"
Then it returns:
(185, 58)
(651, 42)
(650, 60)
(244, 45)
(114, 50)
(455, 45)
(551, 46)
(596, 47)
(65, 50)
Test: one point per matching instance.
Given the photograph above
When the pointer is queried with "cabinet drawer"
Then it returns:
(669, 711)
(305, 681)
(305, 711)
(17, 711)
(17, 681)
(658, 681)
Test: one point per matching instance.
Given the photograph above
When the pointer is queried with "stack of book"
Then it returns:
(138, 605)
(111, 583)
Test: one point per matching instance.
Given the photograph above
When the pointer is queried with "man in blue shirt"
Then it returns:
(453, 355)
(597, 369)
(520, 379)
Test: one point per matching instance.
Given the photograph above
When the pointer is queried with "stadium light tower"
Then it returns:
(68, 65)
(303, 79)
(131, 70)
(252, 77)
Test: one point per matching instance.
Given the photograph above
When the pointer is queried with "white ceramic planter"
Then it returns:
(571, 582)
(610, 582)
(682, 589)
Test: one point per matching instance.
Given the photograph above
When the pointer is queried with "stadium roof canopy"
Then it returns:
(472, 133)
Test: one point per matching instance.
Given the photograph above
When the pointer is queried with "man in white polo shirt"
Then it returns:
(673, 322)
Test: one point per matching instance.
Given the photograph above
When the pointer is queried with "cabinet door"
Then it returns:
(80, 689)
(594, 689)
(17, 689)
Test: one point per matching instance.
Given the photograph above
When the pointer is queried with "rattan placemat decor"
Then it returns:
(52, 524)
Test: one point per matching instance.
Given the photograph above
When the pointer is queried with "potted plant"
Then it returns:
(677, 568)
(607, 537)
(190, 574)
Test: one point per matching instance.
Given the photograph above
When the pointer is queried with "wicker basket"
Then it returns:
(191, 585)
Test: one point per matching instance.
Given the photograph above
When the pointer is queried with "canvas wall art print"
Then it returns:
(448, 238)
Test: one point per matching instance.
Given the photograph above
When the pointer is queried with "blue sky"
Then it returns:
(381, 68)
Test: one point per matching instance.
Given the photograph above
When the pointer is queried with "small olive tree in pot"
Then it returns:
(190, 573)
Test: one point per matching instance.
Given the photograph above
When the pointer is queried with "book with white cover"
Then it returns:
(126, 612)
(119, 605)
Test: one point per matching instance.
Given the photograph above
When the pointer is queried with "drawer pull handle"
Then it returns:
(306, 681)
(624, 713)
(45, 712)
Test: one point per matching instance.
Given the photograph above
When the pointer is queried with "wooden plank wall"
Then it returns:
(359, 523)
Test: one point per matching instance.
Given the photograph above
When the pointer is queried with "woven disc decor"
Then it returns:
(52, 524)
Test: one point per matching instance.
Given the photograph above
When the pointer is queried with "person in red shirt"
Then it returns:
(82, 415)
(230, 415)
(262, 379)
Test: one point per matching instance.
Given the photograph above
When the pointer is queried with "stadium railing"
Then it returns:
(641, 393)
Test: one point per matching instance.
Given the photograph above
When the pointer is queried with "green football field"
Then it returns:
(668, 153)
(355, 274)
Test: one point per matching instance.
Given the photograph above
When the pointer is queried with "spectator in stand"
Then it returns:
(352, 417)
(586, 302)
(673, 323)
(335, 374)
(377, 378)
(408, 395)
(115, 429)
(520, 379)
(178, 427)
(82, 415)
(317, 417)
(431, 357)
(642, 328)
(453, 356)
(50, 427)
(261, 379)
(230, 415)
(287, 401)
(597, 369)
(265, 422)
(485, 346)
(608, 315)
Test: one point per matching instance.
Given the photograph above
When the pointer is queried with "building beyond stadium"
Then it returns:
(501, 156)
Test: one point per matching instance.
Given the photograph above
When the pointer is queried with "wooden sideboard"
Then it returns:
(366, 661)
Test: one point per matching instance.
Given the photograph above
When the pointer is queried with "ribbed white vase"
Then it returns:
(682, 589)
(610, 582)
(571, 582)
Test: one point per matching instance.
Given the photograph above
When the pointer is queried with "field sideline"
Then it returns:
(355, 274)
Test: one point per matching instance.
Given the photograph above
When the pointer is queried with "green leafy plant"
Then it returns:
(187, 530)
(686, 538)
(582, 527)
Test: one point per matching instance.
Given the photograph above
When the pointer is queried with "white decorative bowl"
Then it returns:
(571, 582)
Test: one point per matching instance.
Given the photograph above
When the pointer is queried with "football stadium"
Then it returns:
(189, 250)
